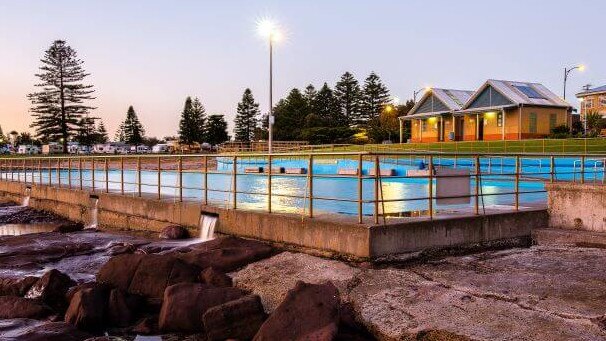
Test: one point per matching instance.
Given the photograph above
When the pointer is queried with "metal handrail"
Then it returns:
(99, 174)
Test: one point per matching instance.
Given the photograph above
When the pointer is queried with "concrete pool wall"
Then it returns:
(330, 234)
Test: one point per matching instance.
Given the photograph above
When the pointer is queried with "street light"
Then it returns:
(567, 71)
(270, 31)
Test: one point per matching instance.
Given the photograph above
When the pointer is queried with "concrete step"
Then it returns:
(552, 236)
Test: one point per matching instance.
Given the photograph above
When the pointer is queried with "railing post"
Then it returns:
(376, 200)
(122, 175)
(234, 179)
(69, 172)
(360, 190)
(40, 171)
(551, 169)
(59, 171)
(106, 168)
(310, 176)
(205, 180)
(138, 176)
(583, 169)
(92, 168)
(80, 171)
(50, 172)
(517, 184)
(159, 194)
(430, 187)
(24, 172)
(180, 178)
(476, 203)
(269, 183)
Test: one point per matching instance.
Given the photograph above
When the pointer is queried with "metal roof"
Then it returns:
(511, 90)
(592, 90)
(452, 98)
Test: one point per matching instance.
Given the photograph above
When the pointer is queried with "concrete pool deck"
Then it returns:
(329, 234)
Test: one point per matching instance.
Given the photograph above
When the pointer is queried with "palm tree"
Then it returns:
(594, 123)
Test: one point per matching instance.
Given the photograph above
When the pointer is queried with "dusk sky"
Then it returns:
(152, 54)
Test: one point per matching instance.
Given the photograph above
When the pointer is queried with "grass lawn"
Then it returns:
(546, 146)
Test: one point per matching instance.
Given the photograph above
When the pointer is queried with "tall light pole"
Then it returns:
(567, 71)
(270, 30)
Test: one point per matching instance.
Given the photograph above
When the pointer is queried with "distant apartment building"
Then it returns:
(592, 100)
(498, 110)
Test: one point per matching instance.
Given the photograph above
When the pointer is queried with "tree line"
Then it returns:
(344, 113)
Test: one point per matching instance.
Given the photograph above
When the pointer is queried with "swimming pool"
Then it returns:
(332, 193)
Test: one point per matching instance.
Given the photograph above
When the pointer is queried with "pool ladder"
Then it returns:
(596, 165)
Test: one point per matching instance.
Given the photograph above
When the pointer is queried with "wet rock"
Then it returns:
(20, 307)
(349, 328)
(51, 289)
(146, 326)
(440, 335)
(156, 272)
(16, 286)
(272, 278)
(106, 338)
(122, 308)
(33, 330)
(239, 319)
(121, 248)
(87, 308)
(185, 303)
(309, 311)
(118, 272)
(69, 227)
(215, 278)
(174, 232)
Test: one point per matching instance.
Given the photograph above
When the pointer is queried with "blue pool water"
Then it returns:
(291, 193)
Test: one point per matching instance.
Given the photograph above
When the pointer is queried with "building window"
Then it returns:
(500, 119)
(603, 101)
(424, 125)
(532, 123)
(553, 120)
(588, 103)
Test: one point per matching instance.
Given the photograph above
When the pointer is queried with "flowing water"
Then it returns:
(94, 214)
(25, 201)
(208, 223)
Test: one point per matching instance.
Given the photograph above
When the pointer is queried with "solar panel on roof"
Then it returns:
(528, 91)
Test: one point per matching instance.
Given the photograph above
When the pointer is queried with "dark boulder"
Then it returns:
(51, 289)
(156, 272)
(69, 227)
(16, 286)
(33, 330)
(174, 232)
(20, 307)
(226, 254)
(87, 308)
(309, 311)
(185, 303)
(118, 272)
(239, 319)
(226, 260)
(146, 326)
(122, 308)
(215, 278)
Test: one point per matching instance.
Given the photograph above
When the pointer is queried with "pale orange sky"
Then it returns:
(152, 54)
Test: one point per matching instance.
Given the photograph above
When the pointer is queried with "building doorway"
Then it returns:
(480, 136)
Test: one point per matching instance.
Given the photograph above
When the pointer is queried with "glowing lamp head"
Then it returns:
(269, 29)
(582, 67)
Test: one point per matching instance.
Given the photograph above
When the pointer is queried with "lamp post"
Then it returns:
(567, 71)
(270, 31)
